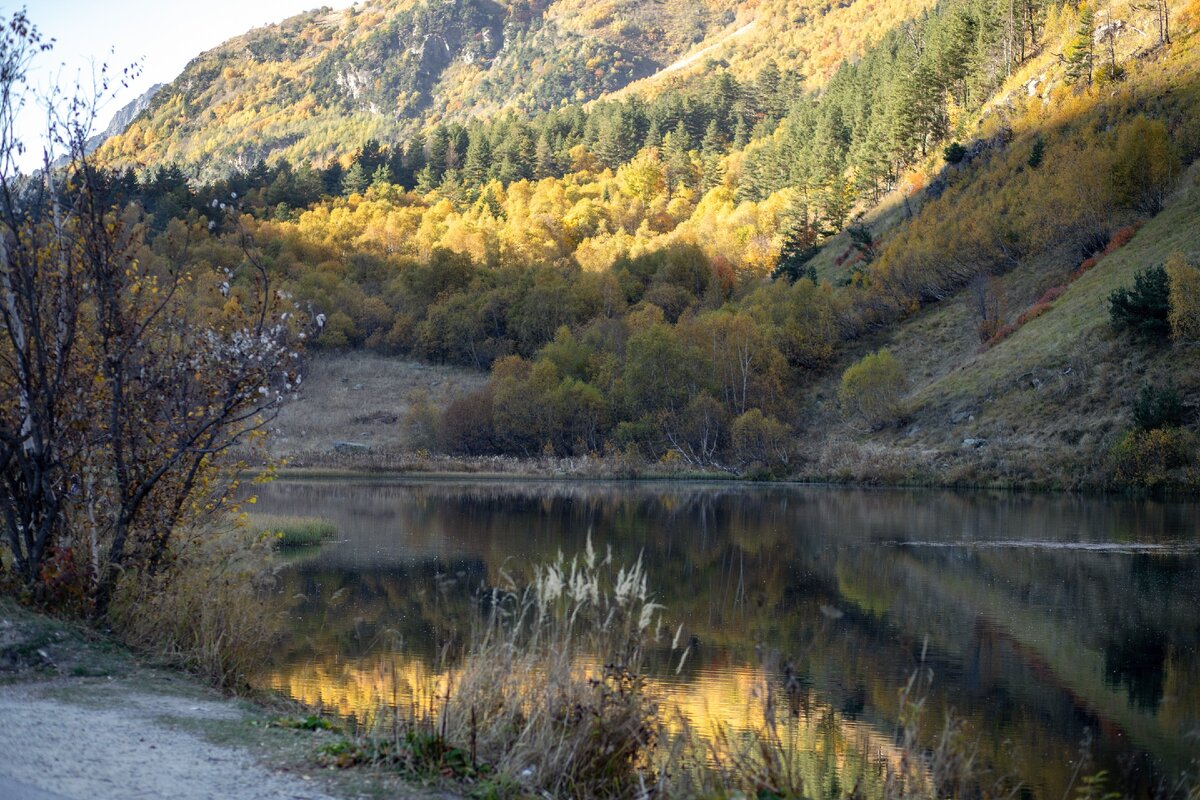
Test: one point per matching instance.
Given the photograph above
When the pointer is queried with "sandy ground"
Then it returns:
(109, 739)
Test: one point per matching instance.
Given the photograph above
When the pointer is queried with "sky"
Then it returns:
(161, 35)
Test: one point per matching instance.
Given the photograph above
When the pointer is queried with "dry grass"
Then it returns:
(549, 691)
(208, 610)
(548, 699)
(362, 398)
(1048, 401)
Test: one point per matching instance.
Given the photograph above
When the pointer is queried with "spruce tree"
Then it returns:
(355, 180)
(678, 158)
(711, 152)
(479, 157)
(1081, 56)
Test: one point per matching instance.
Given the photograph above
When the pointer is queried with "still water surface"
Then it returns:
(1046, 620)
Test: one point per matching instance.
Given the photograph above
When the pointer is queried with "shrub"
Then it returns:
(954, 153)
(1084, 266)
(1146, 458)
(1158, 408)
(871, 389)
(1121, 238)
(467, 427)
(1033, 312)
(1000, 335)
(1184, 298)
(208, 610)
(759, 438)
(1143, 309)
(1038, 153)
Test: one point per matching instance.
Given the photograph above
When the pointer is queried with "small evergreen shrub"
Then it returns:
(954, 153)
(1158, 408)
(1038, 153)
(1144, 308)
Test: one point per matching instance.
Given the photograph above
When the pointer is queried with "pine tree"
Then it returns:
(479, 157)
(545, 162)
(799, 246)
(426, 180)
(766, 91)
(355, 180)
(678, 147)
(1081, 56)
(382, 176)
(741, 133)
(711, 153)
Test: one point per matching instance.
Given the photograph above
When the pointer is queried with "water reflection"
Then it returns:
(1040, 616)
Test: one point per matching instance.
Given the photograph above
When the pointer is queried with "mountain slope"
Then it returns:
(320, 84)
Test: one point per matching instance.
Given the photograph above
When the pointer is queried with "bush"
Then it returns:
(1184, 299)
(1143, 309)
(292, 531)
(1145, 459)
(871, 389)
(954, 153)
(1158, 408)
(761, 439)
(1037, 154)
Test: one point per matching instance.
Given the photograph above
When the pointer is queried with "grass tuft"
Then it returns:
(291, 531)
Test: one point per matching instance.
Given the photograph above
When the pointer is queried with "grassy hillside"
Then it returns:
(1046, 404)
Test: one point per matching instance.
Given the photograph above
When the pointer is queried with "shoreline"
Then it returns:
(531, 471)
(153, 730)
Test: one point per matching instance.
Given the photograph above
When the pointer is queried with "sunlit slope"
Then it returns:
(320, 84)
(1046, 403)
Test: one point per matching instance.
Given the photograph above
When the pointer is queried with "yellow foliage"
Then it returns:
(1185, 298)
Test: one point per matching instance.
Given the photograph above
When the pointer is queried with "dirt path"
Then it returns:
(96, 739)
(82, 719)
(696, 56)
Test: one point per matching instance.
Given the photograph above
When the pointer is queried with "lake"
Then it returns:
(1052, 625)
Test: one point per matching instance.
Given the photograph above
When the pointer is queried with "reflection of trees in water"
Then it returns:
(1028, 644)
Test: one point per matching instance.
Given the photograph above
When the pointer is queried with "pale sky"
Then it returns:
(163, 35)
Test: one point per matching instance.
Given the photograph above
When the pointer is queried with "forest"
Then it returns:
(640, 274)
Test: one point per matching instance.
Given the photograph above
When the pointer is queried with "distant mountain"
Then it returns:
(320, 84)
(120, 121)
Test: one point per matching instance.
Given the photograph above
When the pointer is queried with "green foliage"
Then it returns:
(871, 389)
(292, 531)
(1081, 54)
(1157, 407)
(954, 153)
(1037, 153)
(1143, 309)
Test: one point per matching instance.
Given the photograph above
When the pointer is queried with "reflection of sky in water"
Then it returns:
(1041, 615)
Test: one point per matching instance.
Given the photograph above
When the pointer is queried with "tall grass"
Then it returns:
(208, 611)
(549, 690)
(548, 697)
